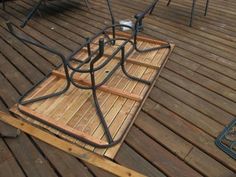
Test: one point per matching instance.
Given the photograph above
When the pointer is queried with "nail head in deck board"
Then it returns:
(158, 155)
(186, 130)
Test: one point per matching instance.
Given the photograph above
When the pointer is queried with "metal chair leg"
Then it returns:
(87, 4)
(192, 13)
(3, 4)
(168, 2)
(206, 8)
(31, 13)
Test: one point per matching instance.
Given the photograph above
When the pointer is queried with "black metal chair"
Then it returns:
(192, 11)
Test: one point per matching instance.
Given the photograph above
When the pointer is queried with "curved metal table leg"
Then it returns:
(206, 8)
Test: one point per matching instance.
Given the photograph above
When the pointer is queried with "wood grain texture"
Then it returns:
(120, 104)
(207, 51)
(76, 151)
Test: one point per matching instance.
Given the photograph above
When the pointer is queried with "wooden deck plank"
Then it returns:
(214, 86)
(207, 50)
(8, 165)
(20, 62)
(161, 158)
(13, 75)
(128, 156)
(41, 64)
(65, 164)
(202, 161)
(201, 121)
(202, 92)
(157, 131)
(195, 102)
(206, 71)
(188, 131)
(182, 148)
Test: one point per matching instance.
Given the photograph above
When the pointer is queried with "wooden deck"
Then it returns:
(193, 100)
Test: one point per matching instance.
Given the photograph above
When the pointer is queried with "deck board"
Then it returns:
(192, 100)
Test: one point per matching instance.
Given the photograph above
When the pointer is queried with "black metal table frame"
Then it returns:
(192, 11)
(92, 58)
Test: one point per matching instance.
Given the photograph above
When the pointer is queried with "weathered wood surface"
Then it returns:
(120, 98)
(192, 101)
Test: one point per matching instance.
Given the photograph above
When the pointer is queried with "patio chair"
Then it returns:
(192, 11)
(92, 58)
